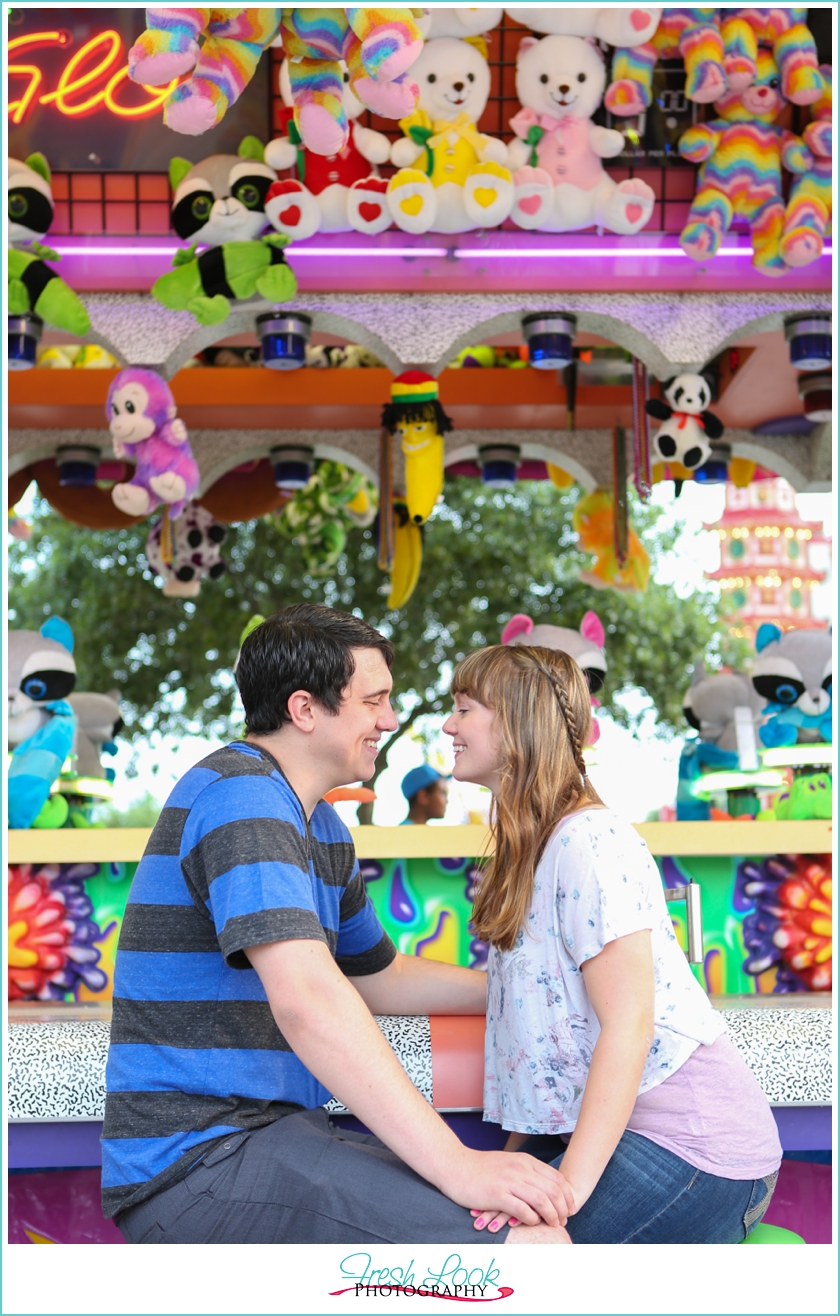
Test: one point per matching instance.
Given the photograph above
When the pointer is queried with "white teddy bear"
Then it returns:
(332, 193)
(618, 27)
(688, 426)
(451, 178)
(561, 183)
(466, 21)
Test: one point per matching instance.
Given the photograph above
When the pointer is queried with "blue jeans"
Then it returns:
(649, 1195)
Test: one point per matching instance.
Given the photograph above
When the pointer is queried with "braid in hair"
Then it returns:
(566, 709)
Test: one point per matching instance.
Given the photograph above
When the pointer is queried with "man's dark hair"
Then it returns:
(305, 647)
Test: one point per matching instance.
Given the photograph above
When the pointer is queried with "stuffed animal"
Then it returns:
(687, 425)
(220, 69)
(806, 797)
(784, 33)
(415, 413)
(334, 193)
(610, 24)
(451, 178)
(408, 556)
(32, 285)
(42, 724)
(709, 707)
(557, 154)
(466, 22)
(144, 429)
(808, 211)
(793, 673)
(710, 702)
(719, 48)
(593, 519)
(196, 540)
(98, 721)
(378, 47)
(220, 203)
(318, 516)
(586, 646)
(741, 154)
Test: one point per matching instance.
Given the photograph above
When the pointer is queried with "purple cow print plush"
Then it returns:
(144, 429)
(196, 540)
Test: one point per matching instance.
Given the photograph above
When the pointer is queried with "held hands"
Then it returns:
(515, 1186)
(495, 1220)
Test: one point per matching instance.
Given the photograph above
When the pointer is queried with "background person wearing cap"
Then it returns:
(427, 792)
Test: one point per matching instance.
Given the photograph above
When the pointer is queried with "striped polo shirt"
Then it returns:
(195, 1052)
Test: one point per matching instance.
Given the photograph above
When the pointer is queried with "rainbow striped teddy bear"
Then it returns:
(378, 46)
(741, 154)
(719, 48)
(808, 212)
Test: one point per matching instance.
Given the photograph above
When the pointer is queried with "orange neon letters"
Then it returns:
(75, 79)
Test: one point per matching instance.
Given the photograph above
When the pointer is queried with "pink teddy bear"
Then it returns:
(141, 414)
(586, 646)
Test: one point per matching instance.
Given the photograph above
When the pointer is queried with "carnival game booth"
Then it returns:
(270, 284)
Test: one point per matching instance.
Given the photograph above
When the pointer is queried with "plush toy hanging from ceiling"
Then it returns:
(687, 425)
(220, 203)
(42, 724)
(33, 286)
(415, 414)
(793, 673)
(318, 517)
(593, 519)
(741, 153)
(808, 211)
(719, 48)
(451, 178)
(378, 45)
(197, 538)
(558, 151)
(334, 193)
(141, 414)
(586, 646)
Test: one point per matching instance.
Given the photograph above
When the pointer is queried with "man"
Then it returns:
(249, 967)
(427, 793)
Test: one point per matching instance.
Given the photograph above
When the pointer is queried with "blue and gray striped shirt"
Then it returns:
(195, 1052)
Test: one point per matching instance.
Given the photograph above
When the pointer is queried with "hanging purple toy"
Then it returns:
(144, 429)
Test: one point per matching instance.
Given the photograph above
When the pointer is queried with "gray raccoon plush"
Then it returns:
(220, 202)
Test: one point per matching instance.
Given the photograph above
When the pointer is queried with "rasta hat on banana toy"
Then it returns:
(416, 414)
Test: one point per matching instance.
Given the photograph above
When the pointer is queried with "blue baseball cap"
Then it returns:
(419, 779)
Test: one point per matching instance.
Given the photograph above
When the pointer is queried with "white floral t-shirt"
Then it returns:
(596, 882)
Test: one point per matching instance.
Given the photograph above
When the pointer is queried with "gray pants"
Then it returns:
(302, 1180)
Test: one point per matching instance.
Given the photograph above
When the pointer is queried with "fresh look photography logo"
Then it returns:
(453, 1282)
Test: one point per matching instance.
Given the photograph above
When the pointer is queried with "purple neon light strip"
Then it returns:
(460, 253)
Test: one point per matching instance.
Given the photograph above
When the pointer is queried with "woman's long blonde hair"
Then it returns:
(543, 717)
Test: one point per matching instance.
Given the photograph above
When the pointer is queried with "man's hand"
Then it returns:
(515, 1186)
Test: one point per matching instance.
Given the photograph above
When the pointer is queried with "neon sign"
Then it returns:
(78, 79)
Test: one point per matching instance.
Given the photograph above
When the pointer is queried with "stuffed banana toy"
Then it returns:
(415, 414)
(408, 556)
(235, 270)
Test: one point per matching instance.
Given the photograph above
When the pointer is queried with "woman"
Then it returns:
(596, 1026)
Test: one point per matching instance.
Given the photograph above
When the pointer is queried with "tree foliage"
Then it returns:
(487, 555)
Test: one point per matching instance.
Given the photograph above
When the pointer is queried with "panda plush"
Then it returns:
(220, 203)
(688, 425)
(793, 673)
(196, 540)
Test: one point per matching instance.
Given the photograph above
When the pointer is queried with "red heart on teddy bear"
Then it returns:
(369, 211)
(290, 217)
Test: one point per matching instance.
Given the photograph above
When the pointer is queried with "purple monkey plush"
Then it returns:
(141, 414)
